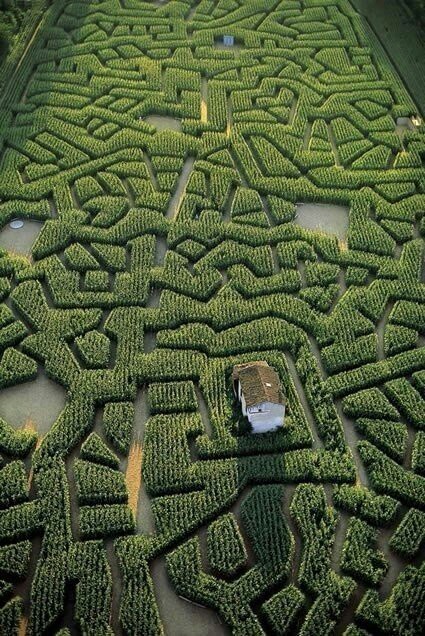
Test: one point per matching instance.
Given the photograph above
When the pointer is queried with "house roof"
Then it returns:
(259, 383)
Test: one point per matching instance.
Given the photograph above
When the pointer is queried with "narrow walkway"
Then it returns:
(334, 145)
(177, 198)
(204, 100)
(229, 115)
(317, 442)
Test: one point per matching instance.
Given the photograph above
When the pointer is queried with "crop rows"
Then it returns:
(169, 253)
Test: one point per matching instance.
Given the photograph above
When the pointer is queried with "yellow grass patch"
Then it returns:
(22, 629)
(204, 111)
(24, 259)
(133, 475)
(29, 425)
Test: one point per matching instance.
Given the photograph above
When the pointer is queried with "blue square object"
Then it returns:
(228, 40)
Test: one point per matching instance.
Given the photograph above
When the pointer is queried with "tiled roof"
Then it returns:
(259, 383)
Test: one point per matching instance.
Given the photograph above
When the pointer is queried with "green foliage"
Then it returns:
(172, 397)
(95, 450)
(418, 9)
(378, 510)
(16, 367)
(102, 521)
(138, 609)
(387, 477)
(316, 523)
(340, 356)
(225, 546)
(118, 423)
(270, 537)
(94, 348)
(15, 443)
(369, 403)
(167, 455)
(408, 400)
(167, 254)
(90, 568)
(329, 605)
(389, 436)
(10, 616)
(403, 611)
(14, 559)
(410, 534)
(418, 453)
(13, 484)
(98, 484)
(48, 585)
(359, 557)
(281, 609)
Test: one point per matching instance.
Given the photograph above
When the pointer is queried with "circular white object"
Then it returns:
(15, 224)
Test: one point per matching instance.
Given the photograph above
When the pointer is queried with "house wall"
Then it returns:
(269, 418)
(243, 403)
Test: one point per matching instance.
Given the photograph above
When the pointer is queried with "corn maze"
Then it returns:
(167, 254)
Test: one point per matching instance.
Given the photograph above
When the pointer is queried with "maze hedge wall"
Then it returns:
(168, 253)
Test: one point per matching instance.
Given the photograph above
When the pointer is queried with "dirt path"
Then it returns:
(229, 116)
(133, 475)
(23, 625)
(317, 442)
(352, 438)
(204, 100)
(334, 145)
(203, 411)
(30, 425)
(179, 616)
(177, 198)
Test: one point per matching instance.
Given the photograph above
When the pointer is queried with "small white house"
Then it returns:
(228, 40)
(257, 387)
